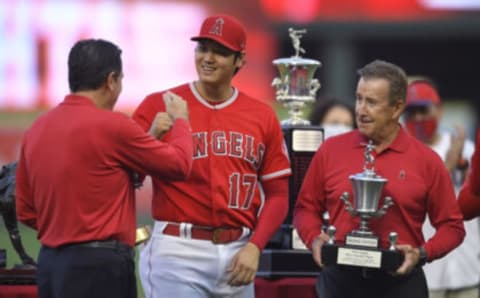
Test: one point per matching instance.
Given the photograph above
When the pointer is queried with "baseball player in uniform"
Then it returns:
(209, 230)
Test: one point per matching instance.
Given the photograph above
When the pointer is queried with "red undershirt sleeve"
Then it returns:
(274, 211)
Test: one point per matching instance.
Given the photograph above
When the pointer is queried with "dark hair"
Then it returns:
(237, 56)
(324, 105)
(90, 62)
(394, 74)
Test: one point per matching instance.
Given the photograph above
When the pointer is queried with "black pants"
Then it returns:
(86, 272)
(356, 282)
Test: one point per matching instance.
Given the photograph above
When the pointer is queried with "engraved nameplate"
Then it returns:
(306, 140)
(358, 257)
(362, 241)
(297, 242)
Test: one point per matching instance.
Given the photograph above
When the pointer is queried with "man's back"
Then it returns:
(70, 155)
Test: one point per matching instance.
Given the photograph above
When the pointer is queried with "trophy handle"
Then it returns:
(348, 207)
(381, 212)
(314, 86)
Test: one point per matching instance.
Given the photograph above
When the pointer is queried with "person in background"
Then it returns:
(75, 177)
(210, 230)
(457, 274)
(334, 115)
(408, 165)
(469, 197)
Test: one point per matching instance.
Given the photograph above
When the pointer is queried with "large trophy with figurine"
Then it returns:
(295, 87)
(23, 273)
(361, 247)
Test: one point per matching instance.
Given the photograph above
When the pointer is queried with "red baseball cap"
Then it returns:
(422, 93)
(224, 29)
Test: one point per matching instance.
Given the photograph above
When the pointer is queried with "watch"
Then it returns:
(423, 256)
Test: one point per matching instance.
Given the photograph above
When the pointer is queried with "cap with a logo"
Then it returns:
(225, 30)
(422, 93)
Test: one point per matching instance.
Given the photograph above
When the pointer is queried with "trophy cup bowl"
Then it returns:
(367, 191)
(295, 86)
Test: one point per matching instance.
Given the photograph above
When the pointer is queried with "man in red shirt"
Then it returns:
(209, 230)
(75, 177)
(418, 184)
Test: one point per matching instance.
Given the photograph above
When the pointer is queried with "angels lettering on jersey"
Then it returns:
(231, 144)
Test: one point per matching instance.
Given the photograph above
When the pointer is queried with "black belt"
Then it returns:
(109, 244)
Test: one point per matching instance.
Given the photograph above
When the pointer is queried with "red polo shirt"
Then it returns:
(74, 174)
(418, 183)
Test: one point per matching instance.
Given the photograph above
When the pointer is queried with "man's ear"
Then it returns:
(241, 61)
(399, 107)
(111, 80)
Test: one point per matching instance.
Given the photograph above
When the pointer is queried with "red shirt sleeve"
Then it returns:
(475, 169)
(146, 155)
(443, 212)
(24, 202)
(274, 211)
(469, 202)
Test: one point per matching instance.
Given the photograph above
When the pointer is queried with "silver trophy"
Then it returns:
(296, 85)
(362, 246)
(367, 188)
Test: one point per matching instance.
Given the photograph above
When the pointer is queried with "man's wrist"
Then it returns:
(422, 258)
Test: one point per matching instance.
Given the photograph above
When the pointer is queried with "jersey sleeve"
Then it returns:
(276, 163)
(24, 200)
(148, 108)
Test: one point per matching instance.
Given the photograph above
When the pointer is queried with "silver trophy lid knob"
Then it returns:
(331, 230)
(393, 237)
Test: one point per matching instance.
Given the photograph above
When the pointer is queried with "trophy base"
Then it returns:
(3, 258)
(276, 263)
(387, 260)
(18, 276)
